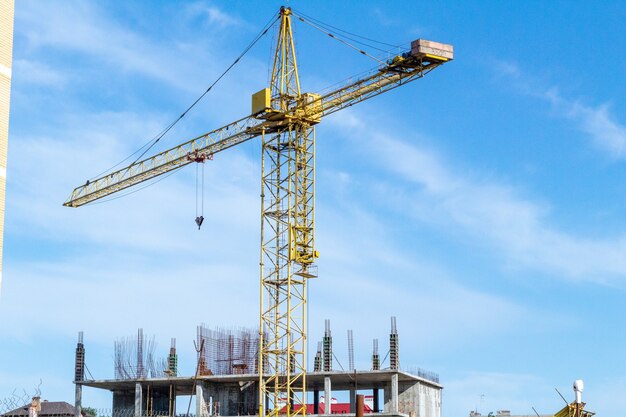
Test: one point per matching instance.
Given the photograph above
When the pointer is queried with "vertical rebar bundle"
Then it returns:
(350, 352)
(134, 358)
(317, 363)
(375, 356)
(394, 357)
(140, 368)
(328, 348)
(228, 351)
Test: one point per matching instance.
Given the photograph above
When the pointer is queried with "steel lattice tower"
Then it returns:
(287, 243)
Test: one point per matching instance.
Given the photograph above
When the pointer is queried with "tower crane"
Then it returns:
(284, 117)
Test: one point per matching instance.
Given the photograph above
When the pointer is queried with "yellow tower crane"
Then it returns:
(285, 119)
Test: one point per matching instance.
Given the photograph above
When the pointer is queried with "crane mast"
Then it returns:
(285, 119)
(287, 245)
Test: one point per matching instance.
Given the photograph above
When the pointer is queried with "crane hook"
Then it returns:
(199, 221)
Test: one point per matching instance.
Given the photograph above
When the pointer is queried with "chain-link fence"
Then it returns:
(107, 412)
(8, 408)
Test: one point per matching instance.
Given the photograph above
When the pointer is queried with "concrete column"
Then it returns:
(376, 402)
(78, 400)
(316, 401)
(328, 395)
(394, 393)
(200, 404)
(138, 400)
(352, 400)
(79, 374)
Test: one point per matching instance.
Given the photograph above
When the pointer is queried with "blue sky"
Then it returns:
(482, 205)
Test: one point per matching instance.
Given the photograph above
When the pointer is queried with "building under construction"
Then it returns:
(227, 376)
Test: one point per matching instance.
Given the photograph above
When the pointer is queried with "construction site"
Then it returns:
(265, 371)
(270, 370)
(227, 379)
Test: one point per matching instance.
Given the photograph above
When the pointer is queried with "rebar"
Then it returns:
(375, 356)
(228, 351)
(134, 358)
(350, 352)
(317, 363)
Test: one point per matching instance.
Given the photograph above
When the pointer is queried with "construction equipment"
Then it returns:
(284, 117)
(577, 407)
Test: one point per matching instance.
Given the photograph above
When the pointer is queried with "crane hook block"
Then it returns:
(199, 221)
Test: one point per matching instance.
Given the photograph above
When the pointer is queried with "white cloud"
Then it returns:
(218, 17)
(212, 15)
(492, 391)
(84, 28)
(32, 72)
(519, 393)
(607, 133)
(492, 213)
(603, 396)
(139, 261)
(142, 253)
(35, 197)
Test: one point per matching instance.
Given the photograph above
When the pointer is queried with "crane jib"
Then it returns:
(423, 58)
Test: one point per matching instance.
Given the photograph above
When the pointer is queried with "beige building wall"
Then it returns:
(6, 58)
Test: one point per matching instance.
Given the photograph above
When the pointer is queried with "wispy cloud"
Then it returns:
(66, 154)
(492, 213)
(143, 252)
(607, 133)
(520, 392)
(212, 15)
(84, 28)
(492, 391)
(38, 73)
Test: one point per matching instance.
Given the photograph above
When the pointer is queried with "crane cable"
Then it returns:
(183, 114)
(159, 136)
(332, 28)
(337, 38)
(200, 218)
(262, 33)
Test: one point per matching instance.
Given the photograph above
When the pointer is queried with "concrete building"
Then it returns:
(227, 380)
(6, 58)
(403, 394)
